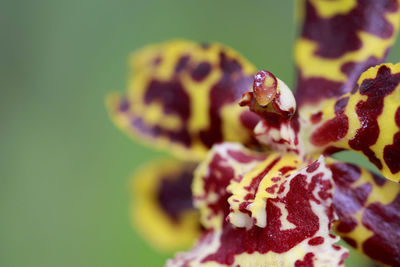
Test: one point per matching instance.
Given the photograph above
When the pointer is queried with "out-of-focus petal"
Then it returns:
(274, 102)
(183, 96)
(368, 207)
(339, 40)
(298, 212)
(366, 120)
(162, 209)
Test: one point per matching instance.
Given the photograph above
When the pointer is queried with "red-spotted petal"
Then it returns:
(295, 204)
(368, 207)
(183, 96)
(339, 40)
(366, 120)
(162, 209)
(223, 164)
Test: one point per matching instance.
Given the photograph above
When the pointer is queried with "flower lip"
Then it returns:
(290, 235)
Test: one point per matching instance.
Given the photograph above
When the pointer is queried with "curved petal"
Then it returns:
(298, 213)
(366, 120)
(223, 164)
(368, 207)
(183, 96)
(339, 40)
(247, 203)
(162, 209)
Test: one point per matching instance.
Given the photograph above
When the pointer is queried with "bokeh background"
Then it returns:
(64, 168)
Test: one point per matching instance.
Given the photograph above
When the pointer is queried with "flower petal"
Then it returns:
(298, 215)
(162, 209)
(368, 207)
(339, 40)
(366, 120)
(224, 163)
(247, 203)
(183, 96)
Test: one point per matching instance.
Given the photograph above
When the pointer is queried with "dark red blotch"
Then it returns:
(172, 96)
(348, 200)
(368, 111)
(175, 194)
(175, 100)
(239, 240)
(228, 90)
(306, 262)
(384, 221)
(334, 129)
(391, 153)
(367, 16)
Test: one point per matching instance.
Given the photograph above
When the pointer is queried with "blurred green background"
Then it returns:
(64, 168)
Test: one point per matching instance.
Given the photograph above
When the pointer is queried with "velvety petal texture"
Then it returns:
(183, 96)
(366, 120)
(162, 209)
(368, 207)
(260, 222)
(339, 40)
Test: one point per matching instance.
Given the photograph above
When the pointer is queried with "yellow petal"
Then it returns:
(366, 120)
(224, 163)
(339, 40)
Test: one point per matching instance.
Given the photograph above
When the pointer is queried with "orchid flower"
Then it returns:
(266, 190)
